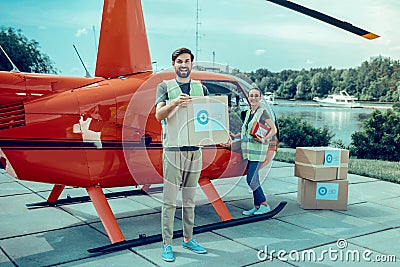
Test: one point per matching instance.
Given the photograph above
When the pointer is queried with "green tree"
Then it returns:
(287, 89)
(379, 138)
(25, 53)
(377, 79)
(294, 132)
(321, 84)
(396, 106)
(303, 88)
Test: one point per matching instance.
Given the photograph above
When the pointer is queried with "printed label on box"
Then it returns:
(332, 158)
(213, 119)
(262, 132)
(327, 191)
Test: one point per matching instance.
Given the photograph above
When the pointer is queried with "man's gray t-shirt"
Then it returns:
(162, 96)
(162, 92)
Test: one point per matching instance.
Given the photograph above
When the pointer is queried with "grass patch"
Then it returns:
(383, 170)
(379, 169)
(285, 156)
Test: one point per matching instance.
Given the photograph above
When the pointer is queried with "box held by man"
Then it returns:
(204, 121)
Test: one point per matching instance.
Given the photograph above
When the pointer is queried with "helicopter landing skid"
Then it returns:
(144, 240)
(74, 200)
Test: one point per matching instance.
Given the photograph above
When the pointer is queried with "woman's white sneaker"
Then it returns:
(262, 210)
(249, 212)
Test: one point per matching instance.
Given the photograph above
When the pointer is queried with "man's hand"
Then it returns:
(182, 100)
(163, 110)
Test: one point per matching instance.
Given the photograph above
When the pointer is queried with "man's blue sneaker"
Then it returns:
(167, 253)
(194, 246)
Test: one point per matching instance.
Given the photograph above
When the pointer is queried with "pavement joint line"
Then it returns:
(235, 205)
(8, 257)
(142, 256)
(291, 223)
(374, 232)
(125, 217)
(30, 189)
(356, 203)
(90, 223)
(236, 241)
(89, 256)
(325, 244)
(360, 235)
(84, 222)
(17, 194)
(7, 182)
(365, 182)
(363, 246)
(279, 194)
(37, 193)
(387, 199)
(40, 232)
(318, 245)
(279, 219)
(347, 214)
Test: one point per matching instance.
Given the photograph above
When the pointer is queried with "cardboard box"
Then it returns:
(323, 195)
(205, 121)
(321, 163)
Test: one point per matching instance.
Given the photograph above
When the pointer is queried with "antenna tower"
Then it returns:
(197, 31)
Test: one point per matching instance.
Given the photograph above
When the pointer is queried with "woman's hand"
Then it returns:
(261, 139)
(228, 144)
(258, 139)
(233, 136)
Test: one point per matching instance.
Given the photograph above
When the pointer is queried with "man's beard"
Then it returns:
(182, 75)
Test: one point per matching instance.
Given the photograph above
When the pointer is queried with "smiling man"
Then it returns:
(181, 165)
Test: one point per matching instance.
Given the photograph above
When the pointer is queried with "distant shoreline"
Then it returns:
(364, 104)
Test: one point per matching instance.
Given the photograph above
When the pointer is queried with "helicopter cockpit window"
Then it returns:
(237, 101)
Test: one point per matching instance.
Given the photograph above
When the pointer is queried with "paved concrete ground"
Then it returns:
(61, 236)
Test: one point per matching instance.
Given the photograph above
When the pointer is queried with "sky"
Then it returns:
(244, 34)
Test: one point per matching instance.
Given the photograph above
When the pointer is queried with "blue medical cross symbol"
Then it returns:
(202, 117)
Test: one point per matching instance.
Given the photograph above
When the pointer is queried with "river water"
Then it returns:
(341, 121)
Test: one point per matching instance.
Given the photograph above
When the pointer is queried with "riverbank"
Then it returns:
(363, 104)
(343, 122)
(379, 169)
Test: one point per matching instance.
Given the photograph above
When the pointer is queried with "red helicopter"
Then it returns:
(102, 132)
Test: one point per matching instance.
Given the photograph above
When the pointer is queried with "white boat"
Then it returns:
(270, 98)
(338, 100)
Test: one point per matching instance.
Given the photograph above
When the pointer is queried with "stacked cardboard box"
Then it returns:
(322, 177)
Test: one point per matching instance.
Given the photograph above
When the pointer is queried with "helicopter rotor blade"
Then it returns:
(328, 19)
